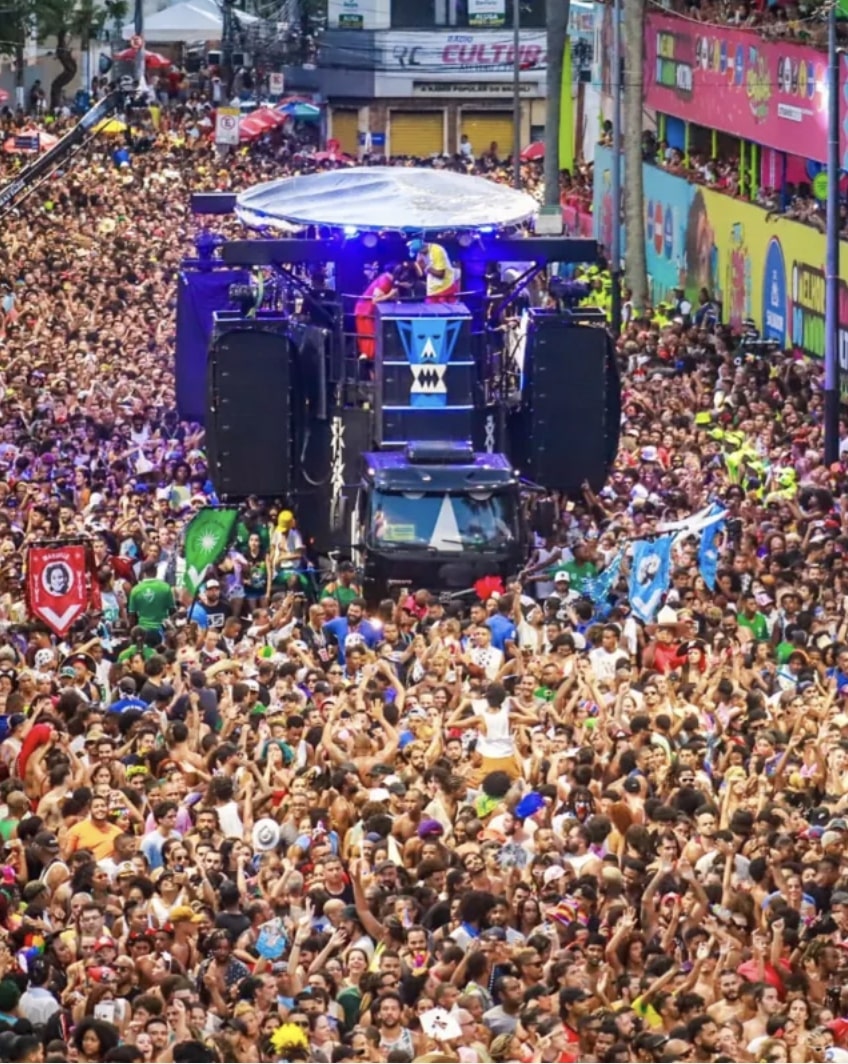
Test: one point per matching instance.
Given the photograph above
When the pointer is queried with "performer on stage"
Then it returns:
(381, 287)
(442, 278)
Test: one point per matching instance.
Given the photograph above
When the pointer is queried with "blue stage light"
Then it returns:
(351, 230)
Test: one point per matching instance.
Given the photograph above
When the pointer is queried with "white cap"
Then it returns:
(562, 575)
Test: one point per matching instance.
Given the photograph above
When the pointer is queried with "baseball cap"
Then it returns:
(212, 583)
(494, 934)
(46, 840)
(562, 575)
(552, 874)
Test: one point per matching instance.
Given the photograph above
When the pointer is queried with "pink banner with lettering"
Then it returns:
(770, 92)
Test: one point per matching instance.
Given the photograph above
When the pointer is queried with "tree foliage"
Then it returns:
(65, 24)
(556, 21)
(636, 265)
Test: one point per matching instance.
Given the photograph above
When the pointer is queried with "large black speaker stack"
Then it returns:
(567, 429)
(248, 430)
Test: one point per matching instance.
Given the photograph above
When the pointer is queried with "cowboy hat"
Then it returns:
(666, 618)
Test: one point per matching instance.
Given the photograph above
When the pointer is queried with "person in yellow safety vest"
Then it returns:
(595, 295)
(661, 316)
(783, 483)
(606, 295)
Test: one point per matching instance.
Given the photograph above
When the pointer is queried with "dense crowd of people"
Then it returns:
(521, 827)
(805, 22)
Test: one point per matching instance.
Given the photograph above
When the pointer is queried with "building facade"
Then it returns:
(410, 77)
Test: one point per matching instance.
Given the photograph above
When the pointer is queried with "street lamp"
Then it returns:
(831, 269)
(615, 242)
(516, 93)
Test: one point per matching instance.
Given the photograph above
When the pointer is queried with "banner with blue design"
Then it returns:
(599, 587)
(708, 547)
(649, 576)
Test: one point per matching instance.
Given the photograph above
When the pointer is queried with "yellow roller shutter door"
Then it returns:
(482, 127)
(346, 130)
(416, 133)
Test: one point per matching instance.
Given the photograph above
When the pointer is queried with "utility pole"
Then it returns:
(140, 57)
(831, 269)
(615, 249)
(227, 35)
(516, 93)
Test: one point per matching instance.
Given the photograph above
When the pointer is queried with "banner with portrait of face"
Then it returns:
(57, 586)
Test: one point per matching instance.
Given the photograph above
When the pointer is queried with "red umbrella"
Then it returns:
(151, 59)
(267, 118)
(534, 152)
(250, 128)
(259, 122)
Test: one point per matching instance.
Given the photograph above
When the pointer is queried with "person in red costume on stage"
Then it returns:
(381, 287)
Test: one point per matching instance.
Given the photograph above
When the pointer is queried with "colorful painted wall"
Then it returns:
(768, 269)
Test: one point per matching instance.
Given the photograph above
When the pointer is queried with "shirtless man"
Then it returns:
(768, 1003)
(406, 825)
(364, 757)
(60, 779)
(730, 1006)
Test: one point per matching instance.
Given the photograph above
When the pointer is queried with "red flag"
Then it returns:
(487, 586)
(56, 585)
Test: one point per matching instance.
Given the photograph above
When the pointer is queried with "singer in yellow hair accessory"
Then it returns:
(287, 550)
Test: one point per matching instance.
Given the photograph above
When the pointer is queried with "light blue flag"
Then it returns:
(708, 549)
(649, 576)
(598, 588)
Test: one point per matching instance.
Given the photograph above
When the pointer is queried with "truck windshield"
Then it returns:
(479, 521)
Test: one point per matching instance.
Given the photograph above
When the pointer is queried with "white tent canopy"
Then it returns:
(191, 20)
(405, 199)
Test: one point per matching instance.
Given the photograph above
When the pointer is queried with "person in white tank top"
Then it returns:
(494, 716)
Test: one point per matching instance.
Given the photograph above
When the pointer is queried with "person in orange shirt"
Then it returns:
(95, 833)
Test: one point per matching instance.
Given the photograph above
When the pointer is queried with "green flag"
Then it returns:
(207, 537)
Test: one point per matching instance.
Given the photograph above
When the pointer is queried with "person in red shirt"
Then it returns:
(381, 287)
(663, 652)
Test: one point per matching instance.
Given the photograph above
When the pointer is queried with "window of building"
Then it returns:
(413, 14)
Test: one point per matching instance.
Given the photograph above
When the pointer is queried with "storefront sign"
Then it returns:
(350, 15)
(490, 13)
(472, 88)
(436, 54)
(772, 93)
(770, 271)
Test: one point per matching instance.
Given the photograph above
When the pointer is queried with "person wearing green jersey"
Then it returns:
(343, 589)
(151, 600)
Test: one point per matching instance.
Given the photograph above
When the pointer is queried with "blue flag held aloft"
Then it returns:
(649, 576)
(598, 588)
(708, 547)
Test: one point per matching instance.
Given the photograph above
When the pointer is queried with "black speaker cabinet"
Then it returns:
(248, 427)
(560, 437)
